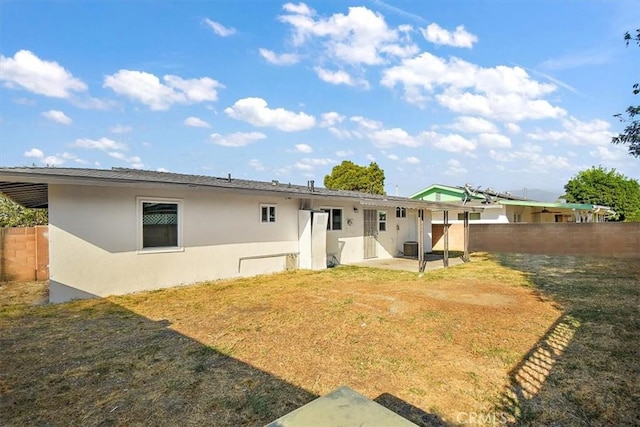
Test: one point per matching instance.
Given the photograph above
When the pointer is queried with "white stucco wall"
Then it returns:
(94, 240)
(492, 214)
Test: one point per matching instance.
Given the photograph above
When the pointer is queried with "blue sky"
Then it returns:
(500, 94)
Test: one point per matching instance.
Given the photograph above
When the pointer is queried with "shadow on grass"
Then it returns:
(92, 362)
(585, 369)
(96, 363)
(410, 412)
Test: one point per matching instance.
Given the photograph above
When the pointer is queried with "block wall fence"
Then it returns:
(24, 253)
(615, 239)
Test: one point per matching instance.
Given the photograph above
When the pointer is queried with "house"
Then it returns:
(506, 208)
(123, 230)
(499, 208)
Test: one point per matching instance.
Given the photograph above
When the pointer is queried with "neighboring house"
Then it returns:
(506, 208)
(123, 230)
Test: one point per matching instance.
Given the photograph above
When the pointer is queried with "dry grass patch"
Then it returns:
(244, 352)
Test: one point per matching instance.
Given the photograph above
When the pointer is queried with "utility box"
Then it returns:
(411, 249)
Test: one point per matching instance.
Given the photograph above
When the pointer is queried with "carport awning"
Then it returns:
(27, 194)
(419, 204)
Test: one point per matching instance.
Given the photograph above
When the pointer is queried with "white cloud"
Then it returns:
(219, 29)
(454, 167)
(393, 157)
(149, 90)
(300, 9)
(504, 107)
(57, 116)
(339, 77)
(459, 38)
(609, 154)
(310, 164)
(256, 112)
(134, 161)
(412, 160)
(331, 119)
(344, 153)
(361, 37)
(340, 133)
(99, 144)
(256, 165)
(391, 137)
(534, 156)
(53, 161)
(195, 90)
(473, 125)
(279, 59)
(452, 142)
(196, 122)
(494, 140)
(47, 78)
(505, 93)
(120, 129)
(34, 152)
(237, 139)
(304, 148)
(594, 132)
(512, 127)
(365, 123)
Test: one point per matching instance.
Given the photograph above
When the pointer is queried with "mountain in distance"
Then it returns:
(537, 194)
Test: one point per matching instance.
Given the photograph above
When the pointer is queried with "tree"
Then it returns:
(14, 215)
(349, 176)
(606, 187)
(631, 133)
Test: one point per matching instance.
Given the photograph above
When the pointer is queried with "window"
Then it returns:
(267, 213)
(473, 216)
(382, 221)
(335, 218)
(517, 217)
(438, 197)
(160, 224)
(401, 212)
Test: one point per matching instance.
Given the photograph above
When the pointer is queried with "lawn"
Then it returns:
(532, 339)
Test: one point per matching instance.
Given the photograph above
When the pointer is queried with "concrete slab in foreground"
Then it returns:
(342, 408)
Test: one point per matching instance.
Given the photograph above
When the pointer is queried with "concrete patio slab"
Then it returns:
(342, 408)
(434, 262)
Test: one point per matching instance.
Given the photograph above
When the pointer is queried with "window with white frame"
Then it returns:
(335, 218)
(267, 213)
(401, 212)
(160, 223)
(382, 221)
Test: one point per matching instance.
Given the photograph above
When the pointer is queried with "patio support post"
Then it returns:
(465, 256)
(445, 260)
(421, 261)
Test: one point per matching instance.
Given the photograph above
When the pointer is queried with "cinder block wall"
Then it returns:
(24, 253)
(602, 239)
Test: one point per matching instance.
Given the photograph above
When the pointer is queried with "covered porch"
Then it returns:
(431, 261)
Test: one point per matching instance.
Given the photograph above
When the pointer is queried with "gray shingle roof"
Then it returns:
(28, 185)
